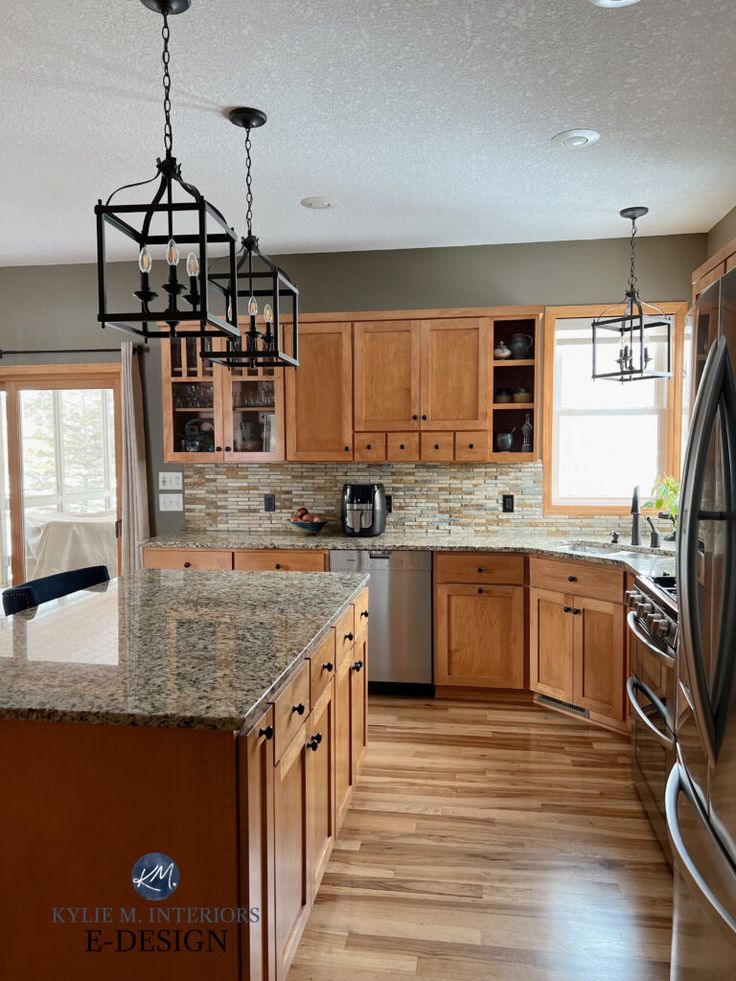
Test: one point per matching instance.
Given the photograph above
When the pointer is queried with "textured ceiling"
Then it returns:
(429, 121)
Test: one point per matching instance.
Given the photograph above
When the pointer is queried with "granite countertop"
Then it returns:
(188, 649)
(641, 560)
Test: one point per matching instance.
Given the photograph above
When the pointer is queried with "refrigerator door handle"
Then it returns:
(678, 783)
(714, 382)
(632, 686)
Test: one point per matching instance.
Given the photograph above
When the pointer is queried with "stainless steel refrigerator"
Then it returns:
(701, 789)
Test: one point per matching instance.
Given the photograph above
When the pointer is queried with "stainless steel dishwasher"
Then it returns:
(400, 634)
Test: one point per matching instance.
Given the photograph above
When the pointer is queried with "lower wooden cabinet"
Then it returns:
(479, 636)
(343, 751)
(209, 559)
(577, 651)
(320, 788)
(242, 560)
(358, 706)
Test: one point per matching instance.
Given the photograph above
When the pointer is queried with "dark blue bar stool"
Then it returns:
(37, 591)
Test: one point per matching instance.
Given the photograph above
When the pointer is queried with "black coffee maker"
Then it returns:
(363, 510)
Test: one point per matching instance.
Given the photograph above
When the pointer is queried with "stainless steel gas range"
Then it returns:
(652, 686)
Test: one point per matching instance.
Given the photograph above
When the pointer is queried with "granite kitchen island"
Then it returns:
(193, 716)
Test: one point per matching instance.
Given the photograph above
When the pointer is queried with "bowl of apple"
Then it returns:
(308, 524)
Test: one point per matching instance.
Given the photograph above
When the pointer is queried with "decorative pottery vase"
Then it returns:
(520, 345)
(504, 441)
(501, 352)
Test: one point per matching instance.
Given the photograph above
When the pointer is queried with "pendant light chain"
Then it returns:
(248, 184)
(633, 279)
(165, 59)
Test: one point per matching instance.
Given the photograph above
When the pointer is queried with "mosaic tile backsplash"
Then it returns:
(426, 497)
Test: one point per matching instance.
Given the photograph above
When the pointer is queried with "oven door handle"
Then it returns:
(632, 686)
(666, 659)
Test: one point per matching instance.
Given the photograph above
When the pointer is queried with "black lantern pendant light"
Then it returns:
(634, 356)
(164, 225)
(262, 285)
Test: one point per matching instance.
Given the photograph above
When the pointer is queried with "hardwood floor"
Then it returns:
(491, 842)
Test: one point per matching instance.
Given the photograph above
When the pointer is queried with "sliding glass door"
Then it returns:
(61, 437)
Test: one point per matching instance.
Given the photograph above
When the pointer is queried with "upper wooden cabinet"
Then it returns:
(387, 365)
(454, 373)
(319, 411)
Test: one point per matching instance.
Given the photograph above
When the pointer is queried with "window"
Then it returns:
(605, 437)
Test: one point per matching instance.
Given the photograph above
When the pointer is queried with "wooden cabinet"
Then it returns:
(402, 447)
(437, 447)
(212, 414)
(387, 366)
(343, 755)
(210, 559)
(581, 578)
(454, 373)
(369, 447)
(320, 788)
(358, 706)
(291, 883)
(280, 560)
(551, 644)
(319, 410)
(255, 764)
(480, 636)
(577, 651)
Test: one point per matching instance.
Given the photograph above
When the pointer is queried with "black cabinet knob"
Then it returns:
(218, 449)
(402, 446)
(369, 446)
(424, 418)
(481, 569)
(436, 446)
(299, 709)
(267, 733)
(347, 449)
(471, 446)
(228, 449)
(277, 566)
(480, 589)
(364, 613)
(327, 666)
(187, 565)
(358, 666)
(572, 578)
(314, 742)
(415, 418)
(348, 636)
(575, 611)
(566, 609)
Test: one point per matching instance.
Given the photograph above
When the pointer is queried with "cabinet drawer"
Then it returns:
(471, 567)
(344, 636)
(470, 447)
(286, 560)
(369, 446)
(579, 578)
(291, 709)
(322, 667)
(361, 613)
(438, 447)
(403, 446)
(211, 559)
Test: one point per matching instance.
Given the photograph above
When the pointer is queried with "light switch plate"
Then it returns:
(170, 480)
(171, 502)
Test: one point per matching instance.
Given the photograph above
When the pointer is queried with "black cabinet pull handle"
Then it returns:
(277, 566)
(358, 666)
(369, 446)
(364, 613)
(425, 418)
(327, 666)
(218, 449)
(481, 569)
(299, 709)
(480, 589)
(575, 611)
(348, 636)
(401, 446)
(436, 446)
(347, 449)
(228, 449)
(415, 418)
(572, 578)
(314, 742)
(267, 733)
(471, 446)
(566, 609)
(187, 565)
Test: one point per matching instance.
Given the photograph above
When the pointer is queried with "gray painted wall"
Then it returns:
(55, 306)
(722, 233)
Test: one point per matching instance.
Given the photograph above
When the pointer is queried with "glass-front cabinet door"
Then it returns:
(192, 404)
(253, 407)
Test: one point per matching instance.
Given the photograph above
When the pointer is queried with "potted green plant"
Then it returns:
(666, 499)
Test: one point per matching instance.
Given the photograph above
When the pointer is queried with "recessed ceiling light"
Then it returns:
(318, 202)
(614, 3)
(576, 139)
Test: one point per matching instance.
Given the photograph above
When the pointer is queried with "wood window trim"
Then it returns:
(674, 410)
(17, 378)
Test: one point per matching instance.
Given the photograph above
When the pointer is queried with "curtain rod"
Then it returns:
(137, 349)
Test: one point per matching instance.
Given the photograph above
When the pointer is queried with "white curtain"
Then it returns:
(135, 485)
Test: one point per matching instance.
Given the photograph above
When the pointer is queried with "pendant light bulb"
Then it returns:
(172, 253)
(268, 314)
(144, 260)
(192, 265)
(252, 306)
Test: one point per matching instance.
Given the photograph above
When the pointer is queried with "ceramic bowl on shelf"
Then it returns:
(308, 527)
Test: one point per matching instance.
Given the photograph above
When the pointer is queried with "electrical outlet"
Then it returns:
(171, 502)
(508, 503)
(389, 503)
(269, 502)
(170, 480)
